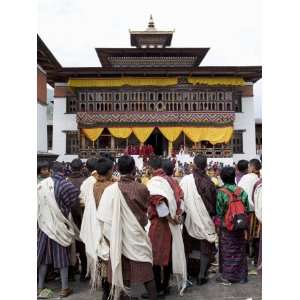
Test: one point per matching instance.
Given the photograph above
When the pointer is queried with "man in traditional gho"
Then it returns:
(164, 212)
(200, 207)
(86, 184)
(77, 179)
(257, 198)
(90, 229)
(43, 170)
(232, 244)
(241, 170)
(247, 183)
(56, 231)
(122, 213)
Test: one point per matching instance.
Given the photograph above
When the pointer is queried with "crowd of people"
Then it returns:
(119, 228)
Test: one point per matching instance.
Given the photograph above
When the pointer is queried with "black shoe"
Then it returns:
(202, 281)
(222, 280)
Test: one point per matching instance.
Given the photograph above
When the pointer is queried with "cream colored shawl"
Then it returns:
(50, 218)
(127, 237)
(198, 222)
(157, 185)
(91, 234)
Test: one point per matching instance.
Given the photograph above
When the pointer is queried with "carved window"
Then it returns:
(82, 107)
(91, 107)
(151, 96)
(71, 105)
(237, 103)
(91, 97)
(145, 107)
(237, 141)
(167, 106)
(228, 96)
(221, 106)
(186, 107)
(228, 106)
(209, 106)
(151, 106)
(72, 142)
(159, 97)
(117, 107)
(213, 106)
(98, 106)
(117, 97)
(82, 96)
(201, 106)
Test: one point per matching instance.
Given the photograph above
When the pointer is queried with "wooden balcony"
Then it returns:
(90, 152)
(213, 152)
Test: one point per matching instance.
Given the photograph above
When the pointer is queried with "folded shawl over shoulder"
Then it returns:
(91, 232)
(198, 223)
(158, 185)
(127, 237)
(50, 218)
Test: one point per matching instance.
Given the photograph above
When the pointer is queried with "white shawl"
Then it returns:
(127, 237)
(85, 188)
(257, 202)
(247, 183)
(198, 222)
(157, 185)
(91, 234)
(50, 218)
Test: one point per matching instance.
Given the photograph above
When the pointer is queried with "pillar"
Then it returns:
(112, 142)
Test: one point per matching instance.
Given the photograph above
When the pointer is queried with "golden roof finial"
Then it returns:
(151, 25)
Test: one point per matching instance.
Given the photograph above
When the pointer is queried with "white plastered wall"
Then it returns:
(246, 121)
(41, 127)
(61, 123)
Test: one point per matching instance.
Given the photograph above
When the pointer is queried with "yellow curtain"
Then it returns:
(120, 132)
(121, 81)
(214, 135)
(142, 133)
(217, 80)
(171, 133)
(92, 133)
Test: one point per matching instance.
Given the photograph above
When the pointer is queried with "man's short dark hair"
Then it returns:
(58, 167)
(91, 164)
(155, 162)
(168, 167)
(242, 165)
(42, 165)
(200, 161)
(228, 175)
(103, 166)
(126, 164)
(255, 163)
(107, 155)
(76, 164)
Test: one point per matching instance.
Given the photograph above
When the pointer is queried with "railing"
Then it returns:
(213, 152)
(90, 153)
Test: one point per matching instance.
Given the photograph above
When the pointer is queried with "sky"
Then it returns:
(72, 29)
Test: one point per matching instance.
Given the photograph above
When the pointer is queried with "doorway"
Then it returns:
(158, 142)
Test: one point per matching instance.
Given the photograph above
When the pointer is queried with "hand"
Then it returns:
(172, 221)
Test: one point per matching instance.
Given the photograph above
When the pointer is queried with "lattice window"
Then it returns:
(72, 142)
(71, 105)
(237, 142)
(237, 103)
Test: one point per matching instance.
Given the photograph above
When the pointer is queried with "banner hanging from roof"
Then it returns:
(92, 133)
(151, 81)
(142, 133)
(120, 132)
(215, 135)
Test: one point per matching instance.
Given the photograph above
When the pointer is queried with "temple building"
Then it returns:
(153, 94)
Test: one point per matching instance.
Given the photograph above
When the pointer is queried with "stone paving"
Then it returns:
(211, 291)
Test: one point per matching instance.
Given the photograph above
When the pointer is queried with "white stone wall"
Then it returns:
(62, 122)
(42, 127)
(246, 121)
